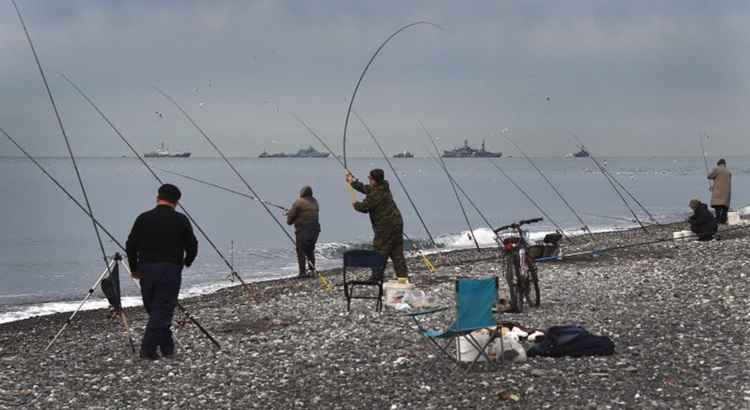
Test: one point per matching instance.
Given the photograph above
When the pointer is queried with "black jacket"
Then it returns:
(161, 235)
(702, 222)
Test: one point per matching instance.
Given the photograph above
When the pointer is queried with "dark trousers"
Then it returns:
(391, 245)
(306, 240)
(721, 213)
(160, 286)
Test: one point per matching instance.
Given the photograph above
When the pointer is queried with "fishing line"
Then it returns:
(453, 187)
(326, 283)
(188, 177)
(425, 260)
(612, 180)
(533, 202)
(398, 178)
(364, 71)
(554, 188)
(158, 179)
(103, 229)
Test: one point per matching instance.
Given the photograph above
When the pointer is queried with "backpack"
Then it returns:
(573, 341)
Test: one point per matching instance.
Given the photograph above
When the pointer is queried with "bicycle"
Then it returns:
(520, 267)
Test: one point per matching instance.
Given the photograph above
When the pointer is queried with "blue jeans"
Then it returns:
(160, 286)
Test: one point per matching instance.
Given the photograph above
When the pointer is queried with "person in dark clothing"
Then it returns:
(160, 243)
(304, 216)
(702, 222)
(385, 219)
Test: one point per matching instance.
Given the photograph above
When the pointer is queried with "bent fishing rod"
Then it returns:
(223, 188)
(398, 178)
(324, 281)
(101, 227)
(415, 248)
(705, 160)
(554, 188)
(69, 148)
(455, 192)
(159, 180)
(533, 202)
(613, 180)
(364, 71)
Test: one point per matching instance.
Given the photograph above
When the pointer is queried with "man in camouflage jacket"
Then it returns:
(385, 218)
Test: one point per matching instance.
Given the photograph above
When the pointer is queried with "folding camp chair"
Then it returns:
(361, 258)
(475, 299)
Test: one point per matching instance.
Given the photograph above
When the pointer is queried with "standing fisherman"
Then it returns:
(160, 243)
(721, 190)
(304, 216)
(385, 218)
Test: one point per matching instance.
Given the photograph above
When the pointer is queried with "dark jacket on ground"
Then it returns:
(161, 235)
(304, 211)
(702, 222)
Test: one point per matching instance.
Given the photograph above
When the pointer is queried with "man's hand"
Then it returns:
(136, 274)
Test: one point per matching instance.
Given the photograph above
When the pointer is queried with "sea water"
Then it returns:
(49, 256)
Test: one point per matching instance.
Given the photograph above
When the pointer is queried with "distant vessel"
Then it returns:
(468, 152)
(162, 152)
(405, 154)
(308, 152)
(581, 154)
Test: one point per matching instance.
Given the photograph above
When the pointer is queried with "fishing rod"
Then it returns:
(159, 180)
(533, 202)
(614, 187)
(554, 188)
(96, 221)
(188, 177)
(613, 180)
(425, 260)
(324, 281)
(398, 178)
(69, 148)
(614, 218)
(705, 160)
(364, 71)
(453, 187)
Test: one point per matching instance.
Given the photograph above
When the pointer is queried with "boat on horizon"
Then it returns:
(405, 154)
(162, 152)
(308, 152)
(580, 154)
(468, 152)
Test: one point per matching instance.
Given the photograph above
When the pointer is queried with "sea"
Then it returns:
(49, 256)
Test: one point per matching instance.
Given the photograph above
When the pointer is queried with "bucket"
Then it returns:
(394, 292)
(733, 218)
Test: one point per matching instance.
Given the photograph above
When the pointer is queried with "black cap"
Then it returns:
(169, 193)
(722, 162)
(378, 175)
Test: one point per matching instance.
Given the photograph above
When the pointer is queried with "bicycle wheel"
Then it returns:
(512, 269)
(534, 286)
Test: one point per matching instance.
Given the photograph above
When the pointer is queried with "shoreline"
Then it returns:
(676, 311)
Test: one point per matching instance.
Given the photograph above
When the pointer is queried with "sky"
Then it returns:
(629, 77)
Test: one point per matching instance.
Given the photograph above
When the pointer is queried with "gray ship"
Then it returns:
(308, 152)
(468, 152)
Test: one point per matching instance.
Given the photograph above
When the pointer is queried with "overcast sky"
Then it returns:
(630, 77)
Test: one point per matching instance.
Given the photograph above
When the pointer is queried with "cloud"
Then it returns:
(622, 73)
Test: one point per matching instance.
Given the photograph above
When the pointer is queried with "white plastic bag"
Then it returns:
(509, 349)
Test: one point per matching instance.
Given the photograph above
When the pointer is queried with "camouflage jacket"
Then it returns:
(378, 202)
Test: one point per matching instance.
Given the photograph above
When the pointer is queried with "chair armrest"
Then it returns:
(425, 312)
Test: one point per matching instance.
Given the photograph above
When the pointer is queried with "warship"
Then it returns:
(308, 152)
(468, 152)
(162, 152)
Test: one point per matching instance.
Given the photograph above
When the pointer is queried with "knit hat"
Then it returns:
(722, 162)
(378, 175)
(305, 191)
(169, 193)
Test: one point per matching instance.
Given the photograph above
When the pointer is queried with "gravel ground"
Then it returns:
(677, 312)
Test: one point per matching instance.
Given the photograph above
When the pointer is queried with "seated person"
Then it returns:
(702, 222)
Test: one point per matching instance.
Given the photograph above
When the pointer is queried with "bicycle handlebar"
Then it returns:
(517, 225)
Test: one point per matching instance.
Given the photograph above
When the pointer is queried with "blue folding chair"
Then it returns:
(475, 299)
(362, 258)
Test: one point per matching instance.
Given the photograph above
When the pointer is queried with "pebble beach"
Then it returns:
(677, 312)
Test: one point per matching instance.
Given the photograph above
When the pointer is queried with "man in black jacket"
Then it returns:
(159, 245)
(702, 222)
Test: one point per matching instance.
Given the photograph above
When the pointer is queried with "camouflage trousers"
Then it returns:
(391, 245)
